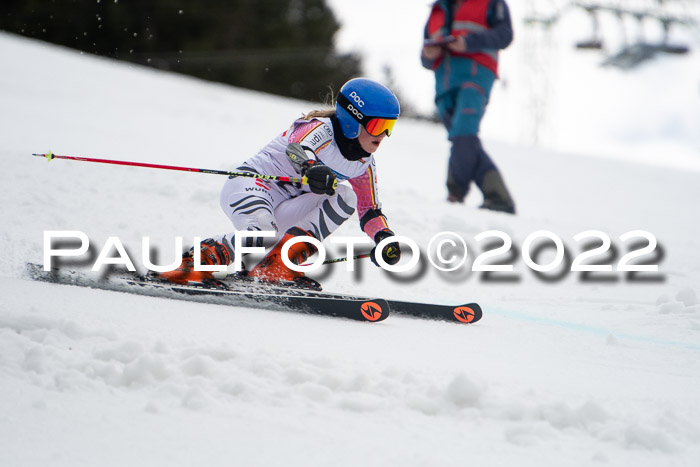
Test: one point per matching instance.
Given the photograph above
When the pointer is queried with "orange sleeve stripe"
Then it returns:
(372, 187)
(312, 129)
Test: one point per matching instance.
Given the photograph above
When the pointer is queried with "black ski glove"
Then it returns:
(391, 253)
(321, 179)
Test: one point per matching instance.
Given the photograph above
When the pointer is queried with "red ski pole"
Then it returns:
(51, 156)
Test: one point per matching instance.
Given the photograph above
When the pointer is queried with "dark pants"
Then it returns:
(461, 109)
(468, 162)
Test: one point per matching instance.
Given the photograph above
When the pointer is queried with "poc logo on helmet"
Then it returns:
(354, 111)
(358, 100)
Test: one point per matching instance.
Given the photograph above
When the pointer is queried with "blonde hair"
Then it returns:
(329, 101)
(319, 113)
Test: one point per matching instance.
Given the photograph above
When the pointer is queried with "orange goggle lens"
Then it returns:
(377, 126)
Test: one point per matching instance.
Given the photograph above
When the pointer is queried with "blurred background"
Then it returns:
(609, 78)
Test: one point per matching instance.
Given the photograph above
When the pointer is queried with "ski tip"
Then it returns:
(469, 313)
(47, 156)
(374, 310)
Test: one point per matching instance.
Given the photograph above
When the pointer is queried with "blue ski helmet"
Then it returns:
(362, 101)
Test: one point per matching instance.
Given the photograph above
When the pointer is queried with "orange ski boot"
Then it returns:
(213, 254)
(272, 270)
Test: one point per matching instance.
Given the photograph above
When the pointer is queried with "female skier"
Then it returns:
(325, 147)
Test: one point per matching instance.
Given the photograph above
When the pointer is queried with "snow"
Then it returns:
(560, 371)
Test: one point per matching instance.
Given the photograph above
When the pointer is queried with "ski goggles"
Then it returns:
(375, 126)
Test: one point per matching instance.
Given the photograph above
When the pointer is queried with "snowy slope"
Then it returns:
(559, 372)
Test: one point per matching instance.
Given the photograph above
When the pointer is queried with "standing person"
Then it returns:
(462, 39)
(325, 147)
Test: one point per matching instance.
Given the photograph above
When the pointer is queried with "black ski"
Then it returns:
(467, 313)
(247, 293)
(299, 300)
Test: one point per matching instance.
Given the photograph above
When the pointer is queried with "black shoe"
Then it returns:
(452, 198)
(497, 205)
(496, 195)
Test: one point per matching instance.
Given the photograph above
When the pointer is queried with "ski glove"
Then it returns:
(391, 253)
(320, 177)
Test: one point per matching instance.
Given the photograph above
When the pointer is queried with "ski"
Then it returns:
(235, 291)
(285, 299)
(467, 313)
